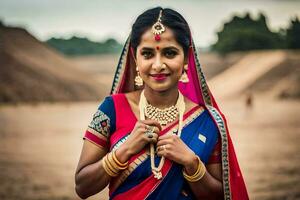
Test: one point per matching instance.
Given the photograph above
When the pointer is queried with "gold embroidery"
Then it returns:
(224, 151)
(97, 134)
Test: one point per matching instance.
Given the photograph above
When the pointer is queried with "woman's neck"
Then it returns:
(162, 99)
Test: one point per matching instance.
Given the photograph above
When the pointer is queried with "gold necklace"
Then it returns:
(180, 107)
(163, 116)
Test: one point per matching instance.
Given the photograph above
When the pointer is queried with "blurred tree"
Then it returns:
(83, 46)
(293, 34)
(245, 33)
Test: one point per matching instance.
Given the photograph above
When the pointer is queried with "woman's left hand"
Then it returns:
(173, 148)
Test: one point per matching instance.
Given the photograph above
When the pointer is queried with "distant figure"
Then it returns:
(148, 140)
(249, 100)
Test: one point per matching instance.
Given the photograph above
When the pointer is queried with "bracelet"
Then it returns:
(112, 165)
(106, 168)
(121, 166)
(198, 174)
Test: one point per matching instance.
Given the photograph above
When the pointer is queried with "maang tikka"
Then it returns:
(184, 77)
(158, 28)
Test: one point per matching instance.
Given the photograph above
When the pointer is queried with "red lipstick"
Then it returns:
(159, 77)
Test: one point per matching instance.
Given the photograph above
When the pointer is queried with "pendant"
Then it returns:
(157, 175)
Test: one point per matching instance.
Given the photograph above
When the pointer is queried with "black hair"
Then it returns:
(170, 18)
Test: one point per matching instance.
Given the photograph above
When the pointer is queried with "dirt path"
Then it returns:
(40, 149)
(40, 146)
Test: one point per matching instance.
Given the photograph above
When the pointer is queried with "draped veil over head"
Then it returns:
(197, 91)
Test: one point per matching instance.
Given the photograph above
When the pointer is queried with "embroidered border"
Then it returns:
(120, 67)
(203, 84)
(224, 147)
(132, 166)
(100, 124)
(120, 142)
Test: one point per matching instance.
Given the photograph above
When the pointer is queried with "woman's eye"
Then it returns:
(170, 54)
(146, 54)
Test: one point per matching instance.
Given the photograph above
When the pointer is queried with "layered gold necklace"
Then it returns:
(163, 116)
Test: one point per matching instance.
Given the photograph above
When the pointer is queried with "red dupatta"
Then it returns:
(196, 90)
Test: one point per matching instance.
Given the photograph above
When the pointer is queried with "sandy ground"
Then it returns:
(40, 147)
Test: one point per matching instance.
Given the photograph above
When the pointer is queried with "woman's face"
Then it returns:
(152, 54)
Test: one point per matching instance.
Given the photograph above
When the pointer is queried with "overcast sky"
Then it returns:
(99, 19)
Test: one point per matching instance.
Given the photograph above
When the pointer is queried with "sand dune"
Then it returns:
(258, 71)
(32, 71)
(244, 73)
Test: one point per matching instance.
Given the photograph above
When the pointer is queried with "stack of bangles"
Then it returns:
(112, 165)
(198, 174)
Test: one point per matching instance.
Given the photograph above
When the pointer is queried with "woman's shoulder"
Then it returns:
(113, 99)
(122, 99)
(106, 100)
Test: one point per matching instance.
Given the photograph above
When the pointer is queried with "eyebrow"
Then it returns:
(165, 48)
(170, 48)
(147, 49)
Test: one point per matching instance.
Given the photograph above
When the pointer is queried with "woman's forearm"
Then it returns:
(91, 180)
(207, 187)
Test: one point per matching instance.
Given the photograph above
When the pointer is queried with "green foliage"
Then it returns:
(293, 34)
(83, 46)
(245, 33)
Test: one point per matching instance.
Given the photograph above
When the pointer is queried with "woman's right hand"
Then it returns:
(138, 139)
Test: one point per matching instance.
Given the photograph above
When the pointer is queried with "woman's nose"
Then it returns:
(157, 65)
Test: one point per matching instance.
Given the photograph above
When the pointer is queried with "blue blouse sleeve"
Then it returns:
(102, 124)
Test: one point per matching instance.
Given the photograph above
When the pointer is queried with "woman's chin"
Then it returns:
(160, 87)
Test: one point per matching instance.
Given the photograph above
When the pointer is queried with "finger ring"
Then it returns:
(149, 132)
(164, 147)
(150, 135)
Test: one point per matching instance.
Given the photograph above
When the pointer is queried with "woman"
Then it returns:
(160, 135)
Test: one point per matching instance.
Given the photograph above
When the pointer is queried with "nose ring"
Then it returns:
(163, 66)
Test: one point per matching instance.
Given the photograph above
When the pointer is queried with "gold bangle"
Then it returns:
(197, 171)
(198, 174)
(122, 166)
(111, 164)
(106, 168)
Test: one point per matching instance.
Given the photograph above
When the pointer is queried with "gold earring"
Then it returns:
(138, 80)
(184, 77)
